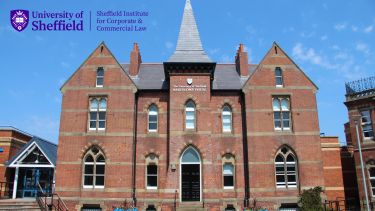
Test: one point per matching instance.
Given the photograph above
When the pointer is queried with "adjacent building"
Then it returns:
(189, 132)
(360, 101)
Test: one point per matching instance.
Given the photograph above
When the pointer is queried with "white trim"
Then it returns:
(25, 153)
(151, 187)
(228, 187)
(200, 172)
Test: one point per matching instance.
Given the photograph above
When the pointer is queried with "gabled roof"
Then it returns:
(48, 149)
(274, 44)
(151, 77)
(189, 46)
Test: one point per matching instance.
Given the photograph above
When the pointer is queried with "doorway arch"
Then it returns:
(190, 175)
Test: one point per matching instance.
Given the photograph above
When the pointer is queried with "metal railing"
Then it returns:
(50, 201)
(6, 189)
(360, 86)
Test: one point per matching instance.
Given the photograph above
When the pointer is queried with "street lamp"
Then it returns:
(362, 168)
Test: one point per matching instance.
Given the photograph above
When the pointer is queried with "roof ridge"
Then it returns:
(44, 140)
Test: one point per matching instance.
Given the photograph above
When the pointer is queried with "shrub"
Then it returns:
(310, 200)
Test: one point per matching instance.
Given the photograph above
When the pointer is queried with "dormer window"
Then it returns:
(278, 77)
(99, 77)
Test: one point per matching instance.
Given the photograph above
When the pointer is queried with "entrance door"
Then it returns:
(190, 175)
(30, 182)
(190, 182)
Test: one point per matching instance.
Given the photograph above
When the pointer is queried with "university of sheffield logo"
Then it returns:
(19, 19)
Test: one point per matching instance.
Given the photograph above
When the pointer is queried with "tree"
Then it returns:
(310, 200)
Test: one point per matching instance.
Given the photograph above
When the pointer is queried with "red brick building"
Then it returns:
(360, 101)
(11, 141)
(189, 133)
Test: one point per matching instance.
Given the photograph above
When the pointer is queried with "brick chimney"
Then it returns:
(242, 62)
(135, 60)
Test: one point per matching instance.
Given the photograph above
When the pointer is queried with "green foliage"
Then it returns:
(310, 200)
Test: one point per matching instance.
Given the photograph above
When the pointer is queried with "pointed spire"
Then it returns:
(189, 47)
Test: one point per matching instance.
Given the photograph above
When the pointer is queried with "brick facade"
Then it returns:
(357, 102)
(251, 146)
(11, 141)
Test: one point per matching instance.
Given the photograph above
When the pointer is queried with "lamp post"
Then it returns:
(362, 168)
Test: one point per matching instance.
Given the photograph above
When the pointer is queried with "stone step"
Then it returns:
(19, 204)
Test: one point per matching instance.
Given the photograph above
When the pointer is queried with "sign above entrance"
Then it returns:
(190, 88)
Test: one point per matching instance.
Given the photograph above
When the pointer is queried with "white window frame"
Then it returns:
(99, 109)
(153, 175)
(224, 113)
(281, 110)
(99, 77)
(371, 178)
(366, 123)
(153, 113)
(193, 118)
(286, 184)
(94, 163)
(279, 76)
(232, 175)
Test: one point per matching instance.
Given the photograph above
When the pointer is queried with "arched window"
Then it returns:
(94, 168)
(99, 77)
(97, 117)
(153, 118)
(286, 168)
(190, 115)
(226, 115)
(151, 172)
(228, 171)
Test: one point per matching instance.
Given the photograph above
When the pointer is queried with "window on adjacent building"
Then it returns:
(278, 77)
(281, 113)
(99, 77)
(152, 176)
(94, 169)
(97, 114)
(285, 168)
(371, 172)
(367, 124)
(190, 115)
(226, 115)
(153, 118)
(228, 175)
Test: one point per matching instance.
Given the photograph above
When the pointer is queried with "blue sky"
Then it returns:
(332, 41)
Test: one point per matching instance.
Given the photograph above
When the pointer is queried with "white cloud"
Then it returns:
(362, 47)
(340, 26)
(368, 29)
(169, 45)
(324, 37)
(310, 55)
(342, 62)
(354, 28)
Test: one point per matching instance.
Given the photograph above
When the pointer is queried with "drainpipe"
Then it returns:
(134, 148)
(362, 167)
(245, 152)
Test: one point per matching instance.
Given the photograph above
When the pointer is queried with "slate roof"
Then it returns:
(47, 147)
(151, 77)
(189, 46)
